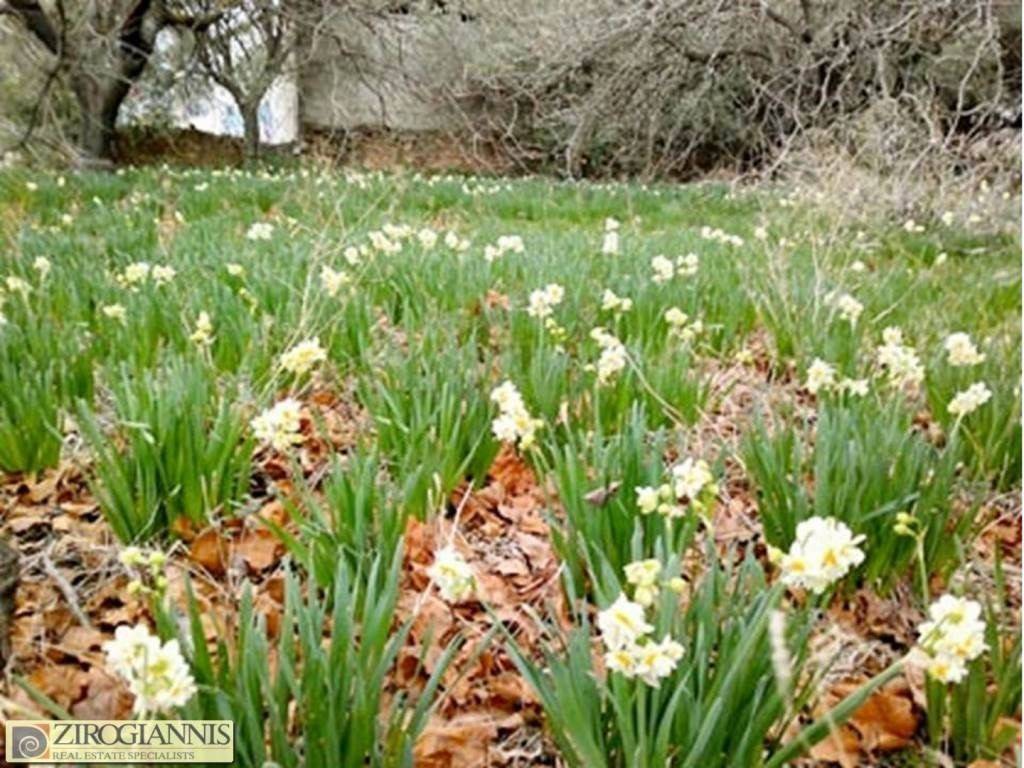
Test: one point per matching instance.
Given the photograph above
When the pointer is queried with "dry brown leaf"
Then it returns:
(462, 741)
(842, 746)
(259, 549)
(209, 551)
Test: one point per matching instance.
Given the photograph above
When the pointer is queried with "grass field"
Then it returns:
(476, 471)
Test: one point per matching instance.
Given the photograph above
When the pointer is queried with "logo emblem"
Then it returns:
(29, 741)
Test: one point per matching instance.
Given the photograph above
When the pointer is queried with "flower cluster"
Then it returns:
(514, 422)
(260, 230)
(629, 649)
(613, 355)
(115, 312)
(543, 300)
(690, 484)
(279, 425)
(42, 266)
(717, 235)
(900, 361)
(456, 243)
(953, 635)
(147, 569)
(202, 336)
(157, 673)
(505, 244)
(961, 352)
(333, 280)
(612, 303)
(847, 306)
(645, 577)
(136, 274)
(823, 551)
(452, 575)
(680, 327)
(386, 240)
(303, 356)
(969, 400)
(665, 269)
(17, 284)
(428, 238)
(822, 377)
(610, 245)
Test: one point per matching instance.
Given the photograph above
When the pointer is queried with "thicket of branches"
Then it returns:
(678, 87)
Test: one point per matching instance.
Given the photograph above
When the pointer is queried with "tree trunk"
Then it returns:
(99, 104)
(251, 128)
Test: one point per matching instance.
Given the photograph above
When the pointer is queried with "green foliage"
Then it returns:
(177, 448)
(320, 705)
(865, 466)
(723, 705)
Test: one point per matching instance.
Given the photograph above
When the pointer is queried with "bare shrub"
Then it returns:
(676, 87)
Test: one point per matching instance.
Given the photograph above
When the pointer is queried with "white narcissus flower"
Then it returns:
(351, 256)
(857, 387)
(42, 266)
(427, 237)
(279, 425)
(655, 661)
(621, 660)
(848, 307)
(687, 265)
(333, 280)
(163, 274)
(543, 300)
(202, 336)
(134, 274)
(971, 399)
(514, 422)
(303, 356)
(823, 551)
(610, 245)
(260, 230)
(130, 648)
(900, 361)
(820, 376)
(680, 326)
(511, 244)
(613, 355)
(115, 312)
(235, 270)
(953, 635)
(961, 351)
(664, 269)
(157, 674)
(612, 303)
(452, 575)
(647, 499)
(622, 623)
(690, 477)
(675, 317)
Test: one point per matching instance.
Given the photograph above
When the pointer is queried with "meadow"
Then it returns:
(393, 469)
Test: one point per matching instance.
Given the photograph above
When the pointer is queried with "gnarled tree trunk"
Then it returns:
(99, 104)
(251, 129)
